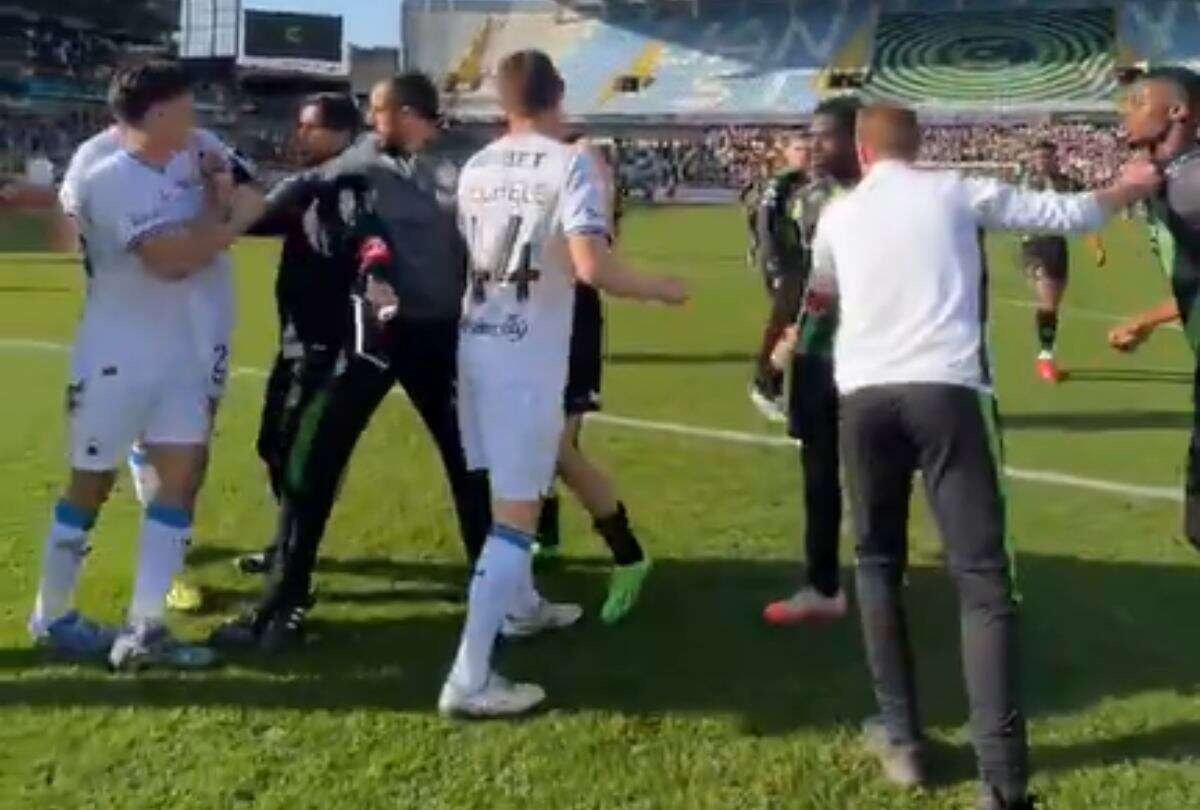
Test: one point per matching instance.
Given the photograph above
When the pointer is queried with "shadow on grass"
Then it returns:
(1095, 420)
(1130, 375)
(1091, 631)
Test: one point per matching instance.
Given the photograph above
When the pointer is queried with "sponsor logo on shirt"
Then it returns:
(513, 328)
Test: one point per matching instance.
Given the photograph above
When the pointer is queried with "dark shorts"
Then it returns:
(1045, 258)
(785, 291)
(813, 400)
(586, 358)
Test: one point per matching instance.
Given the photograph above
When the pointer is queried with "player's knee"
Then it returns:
(89, 490)
(180, 473)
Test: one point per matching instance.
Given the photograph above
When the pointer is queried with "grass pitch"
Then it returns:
(693, 703)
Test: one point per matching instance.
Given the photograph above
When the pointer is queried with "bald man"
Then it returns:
(899, 259)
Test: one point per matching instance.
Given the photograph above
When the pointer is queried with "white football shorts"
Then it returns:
(109, 407)
(512, 430)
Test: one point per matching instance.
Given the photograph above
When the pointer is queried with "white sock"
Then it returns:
(166, 532)
(62, 556)
(527, 598)
(494, 586)
(145, 477)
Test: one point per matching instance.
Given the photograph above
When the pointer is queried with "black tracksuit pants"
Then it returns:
(423, 360)
(950, 433)
(299, 373)
(813, 419)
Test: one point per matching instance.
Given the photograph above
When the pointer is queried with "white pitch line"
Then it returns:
(1040, 476)
(743, 438)
(1076, 312)
(21, 344)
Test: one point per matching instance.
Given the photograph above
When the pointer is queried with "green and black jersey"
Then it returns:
(1175, 237)
(780, 249)
(815, 330)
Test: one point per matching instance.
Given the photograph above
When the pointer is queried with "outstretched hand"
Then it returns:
(673, 291)
(1128, 336)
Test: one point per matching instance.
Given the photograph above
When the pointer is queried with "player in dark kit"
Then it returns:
(591, 485)
(813, 400)
(311, 331)
(1046, 260)
(1161, 117)
(750, 197)
(780, 258)
(346, 233)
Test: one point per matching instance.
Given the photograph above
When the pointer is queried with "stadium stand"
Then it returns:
(996, 60)
(735, 60)
(1158, 31)
(771, 60)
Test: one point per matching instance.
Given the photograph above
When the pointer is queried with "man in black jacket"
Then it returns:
(406, 190)
(313, 327)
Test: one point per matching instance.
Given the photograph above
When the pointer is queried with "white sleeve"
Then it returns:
(1003, 207)
(581, 205)
(207, 143)
(129, 212)
(89, 153)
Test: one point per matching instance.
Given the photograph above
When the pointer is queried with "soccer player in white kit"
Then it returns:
(533, 217)
(212, 297)
(139, 367)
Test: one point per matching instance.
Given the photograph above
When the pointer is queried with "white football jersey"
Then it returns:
(518, 200)
(130, 316)
(211, 296)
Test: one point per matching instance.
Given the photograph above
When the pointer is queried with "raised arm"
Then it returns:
(177, 251)
(1001, 206)
(286, 201)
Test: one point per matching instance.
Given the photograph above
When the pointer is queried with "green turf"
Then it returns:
(691, 704)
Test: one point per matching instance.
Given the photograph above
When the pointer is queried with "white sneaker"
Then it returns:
(806, 605)
(771, 409)
(547, 616)
(498, 698)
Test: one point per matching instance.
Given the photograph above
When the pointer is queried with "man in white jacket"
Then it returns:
(899, 258)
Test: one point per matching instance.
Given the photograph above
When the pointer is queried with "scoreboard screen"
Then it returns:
(295, 39)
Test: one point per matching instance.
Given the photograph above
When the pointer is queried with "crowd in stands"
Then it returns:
(734, 156)
(728, 157)
(24, 135)
(1090, 153)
